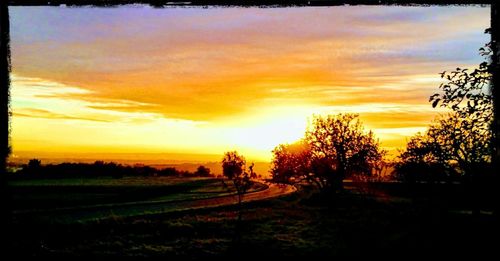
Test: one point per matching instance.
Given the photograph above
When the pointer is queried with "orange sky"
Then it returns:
(204, 81)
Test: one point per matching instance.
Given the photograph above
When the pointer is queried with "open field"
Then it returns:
(105, 181)
(300, 224)
(60, 193)
(83, 200)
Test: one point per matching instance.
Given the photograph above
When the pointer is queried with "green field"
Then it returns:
(153, 216)
(79, 200)
(105, 181)
(302, 224)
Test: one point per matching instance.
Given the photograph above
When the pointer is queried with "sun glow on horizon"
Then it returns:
(249, 84)
(255, 133)
(108, 130)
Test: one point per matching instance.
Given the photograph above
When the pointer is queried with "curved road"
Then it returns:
(272, 191)
(99, 212)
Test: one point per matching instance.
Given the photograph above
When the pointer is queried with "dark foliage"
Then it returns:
(234, 168)
(35, 169)
(334, 148)
(456, 146)
(202, 171)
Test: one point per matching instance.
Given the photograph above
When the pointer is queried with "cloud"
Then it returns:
(202, 64)
(38, 113)
(39, 98)
(235, 72)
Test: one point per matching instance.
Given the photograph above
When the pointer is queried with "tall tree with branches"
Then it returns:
(335, 147)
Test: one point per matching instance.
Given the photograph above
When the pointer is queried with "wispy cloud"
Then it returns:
(38, 113)
(35, 97)
(228, 75)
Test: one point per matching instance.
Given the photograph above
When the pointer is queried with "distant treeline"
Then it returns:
(34, 169)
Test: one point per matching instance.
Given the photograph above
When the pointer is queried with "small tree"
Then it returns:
(202, 171)
(34, 164)
(233, 168)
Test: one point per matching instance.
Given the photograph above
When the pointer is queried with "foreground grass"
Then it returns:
(72, 193)
(107, 181)
(299, 225)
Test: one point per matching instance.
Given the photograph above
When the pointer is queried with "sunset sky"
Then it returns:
(138, 80)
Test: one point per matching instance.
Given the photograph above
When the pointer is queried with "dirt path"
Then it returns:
(272, 191)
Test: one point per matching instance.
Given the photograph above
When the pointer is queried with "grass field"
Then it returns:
(302, 224)
(76, 200)
(105, 181)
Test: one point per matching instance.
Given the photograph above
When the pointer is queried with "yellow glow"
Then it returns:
(63, 122)
(205, 81)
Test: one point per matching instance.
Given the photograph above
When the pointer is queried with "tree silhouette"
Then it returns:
(34, 163)
(202, 171)
(424, 159)
(233, 168)
(341, 148)
(461, 141)
(34, 167)
(452, 144)
(335, 147)
(292, 163)
(468, 94)
(462, 138)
